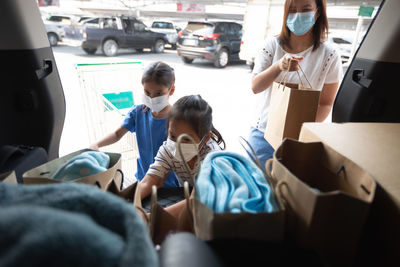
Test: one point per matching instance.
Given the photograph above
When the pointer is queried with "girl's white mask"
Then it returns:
(189, 150)
(156, 104)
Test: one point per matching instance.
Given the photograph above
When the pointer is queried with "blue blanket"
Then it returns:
(84, 164)
(70, 225)
(230, 182)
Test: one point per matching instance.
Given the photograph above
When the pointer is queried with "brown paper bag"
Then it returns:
(43, 173)
(328, 197)
(264, 226)
(290, 106)
(161, 222)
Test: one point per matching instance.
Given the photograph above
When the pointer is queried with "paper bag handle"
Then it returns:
(269, 171)
(285, 77)
(137, 203)
(278, 190)
(153, 211)
(187, 197)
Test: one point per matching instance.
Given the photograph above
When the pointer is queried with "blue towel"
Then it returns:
(230, 182)
(84, 164)
(70, 225)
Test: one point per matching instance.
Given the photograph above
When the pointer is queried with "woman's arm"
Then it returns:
(264, 79)
(110, 138)
(147, 182)
(326, 100)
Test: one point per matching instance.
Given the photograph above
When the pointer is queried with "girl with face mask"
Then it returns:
(148, 120)
(193, 116)
(301, 42)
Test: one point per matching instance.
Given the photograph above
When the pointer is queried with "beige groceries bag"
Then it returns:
(8, 177)
(290, 106)
(43, 173)
(263, 226)
(327, 198)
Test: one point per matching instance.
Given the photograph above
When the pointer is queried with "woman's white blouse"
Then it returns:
(322, 66)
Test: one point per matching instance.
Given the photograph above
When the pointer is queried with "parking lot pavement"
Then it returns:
(227, 90)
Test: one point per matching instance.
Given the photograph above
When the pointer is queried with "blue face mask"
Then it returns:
(300, 23)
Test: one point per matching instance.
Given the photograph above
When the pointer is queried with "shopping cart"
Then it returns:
(109, 90)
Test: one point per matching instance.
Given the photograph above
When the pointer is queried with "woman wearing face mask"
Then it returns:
(193, 116)
(148, 121)
(301, 42)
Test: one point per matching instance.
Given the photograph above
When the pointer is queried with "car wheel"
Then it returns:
(187, 60)
(159, 46)
(53, 39)
(222, 58)
(110, 48)
(90, 51)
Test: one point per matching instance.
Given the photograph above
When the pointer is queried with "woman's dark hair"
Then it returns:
(197, 113)
(160, 73)
(321, 26)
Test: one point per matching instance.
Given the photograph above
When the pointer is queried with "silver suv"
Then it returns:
(168, 29)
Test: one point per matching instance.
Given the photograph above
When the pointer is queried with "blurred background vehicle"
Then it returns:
(55, 32)
(343, 43)
(168, 28)
(218, 42)
(117, 32)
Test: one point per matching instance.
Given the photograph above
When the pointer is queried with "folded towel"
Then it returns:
(84, 164)
(230, 182)
(70, 224)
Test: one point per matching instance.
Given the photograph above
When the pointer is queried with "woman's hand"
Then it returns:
(289, 62)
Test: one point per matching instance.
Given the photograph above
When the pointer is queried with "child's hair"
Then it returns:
(160, 73)
(197, 113)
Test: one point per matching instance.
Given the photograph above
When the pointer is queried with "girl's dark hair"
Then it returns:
(160, 73)
(197, 113)
(321, 26)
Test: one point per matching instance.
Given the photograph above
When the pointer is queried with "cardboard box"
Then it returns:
(376, 148)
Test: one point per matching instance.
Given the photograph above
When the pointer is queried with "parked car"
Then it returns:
(168, 28)
(343, 45)
(121, 32)
(218, 42)
(66, 24)
(55, 32)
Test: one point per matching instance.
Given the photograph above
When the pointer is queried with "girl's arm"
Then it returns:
(147, 182)
(264, 79)
(110, 138)
(326, 100)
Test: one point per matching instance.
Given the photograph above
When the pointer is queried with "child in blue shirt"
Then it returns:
(148, 120)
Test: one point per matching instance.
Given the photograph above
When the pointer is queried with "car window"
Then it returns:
(109, 23)
(339, 40)
(127, 25)
(235, 29)
(222, 28)
(139, 26)
(162, 25)
(92, 21)
(199, 28)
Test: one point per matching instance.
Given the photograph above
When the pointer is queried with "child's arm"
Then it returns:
(176, 208)
(147, 182)
(110, 138)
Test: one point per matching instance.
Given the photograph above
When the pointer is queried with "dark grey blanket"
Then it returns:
(70, 225)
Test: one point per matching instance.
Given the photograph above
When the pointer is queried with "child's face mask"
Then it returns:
(189, 150)
(156, 104)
